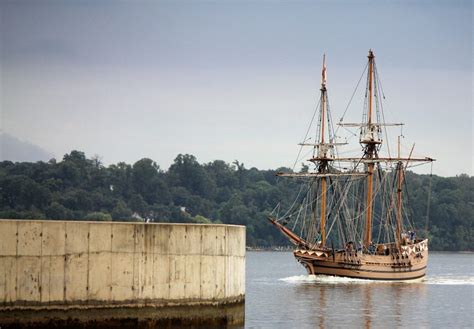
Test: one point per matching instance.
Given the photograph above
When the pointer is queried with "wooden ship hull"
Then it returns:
(409, 265)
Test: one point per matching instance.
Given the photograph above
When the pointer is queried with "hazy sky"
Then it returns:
(230, 79)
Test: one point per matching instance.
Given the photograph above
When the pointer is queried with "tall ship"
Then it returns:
(350, 217)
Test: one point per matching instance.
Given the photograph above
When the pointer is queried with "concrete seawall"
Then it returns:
(63, 272)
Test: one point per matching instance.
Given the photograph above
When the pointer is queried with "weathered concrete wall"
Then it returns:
(67, 264)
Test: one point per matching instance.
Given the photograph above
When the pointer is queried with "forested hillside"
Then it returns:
(79, 188)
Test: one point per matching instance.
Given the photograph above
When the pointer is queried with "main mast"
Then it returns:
(369, 138)
(323, 154)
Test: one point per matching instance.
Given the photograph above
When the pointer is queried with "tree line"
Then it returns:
(81, 188)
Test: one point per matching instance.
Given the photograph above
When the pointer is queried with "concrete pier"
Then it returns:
(103, 274)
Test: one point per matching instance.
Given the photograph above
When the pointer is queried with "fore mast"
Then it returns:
(323, 154)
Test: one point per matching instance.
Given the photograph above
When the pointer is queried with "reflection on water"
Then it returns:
(367, 307)
(362, 304)
(322, 305)
(280, 296)
(397, 305)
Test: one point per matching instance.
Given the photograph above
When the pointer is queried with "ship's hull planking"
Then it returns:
(410, 264)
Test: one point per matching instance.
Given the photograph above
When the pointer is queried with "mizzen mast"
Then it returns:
(399, 198)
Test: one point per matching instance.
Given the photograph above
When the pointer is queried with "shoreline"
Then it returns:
(290, 249)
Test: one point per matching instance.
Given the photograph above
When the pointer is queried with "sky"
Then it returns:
(231, 80)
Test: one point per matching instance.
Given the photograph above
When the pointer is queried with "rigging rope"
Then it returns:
(352, 97)
(292, 205)
(379, 83)
(306, 135)
(429, 201)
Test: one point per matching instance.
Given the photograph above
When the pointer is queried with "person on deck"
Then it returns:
(349, 246)
(412, 236)
(318, 238)
(372, 248)
(404, 239)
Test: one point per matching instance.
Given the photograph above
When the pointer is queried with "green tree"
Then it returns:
(121, 211)
(57, 211)
(99, 216)
(148, 182)
(188, 173)
(138, 205)
(82, 188)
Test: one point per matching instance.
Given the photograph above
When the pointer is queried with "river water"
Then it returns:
(279, 294)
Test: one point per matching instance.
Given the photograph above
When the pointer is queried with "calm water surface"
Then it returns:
(279, 294)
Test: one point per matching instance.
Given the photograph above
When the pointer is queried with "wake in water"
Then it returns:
(450, 280)
(325, 279)
(321, 279)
